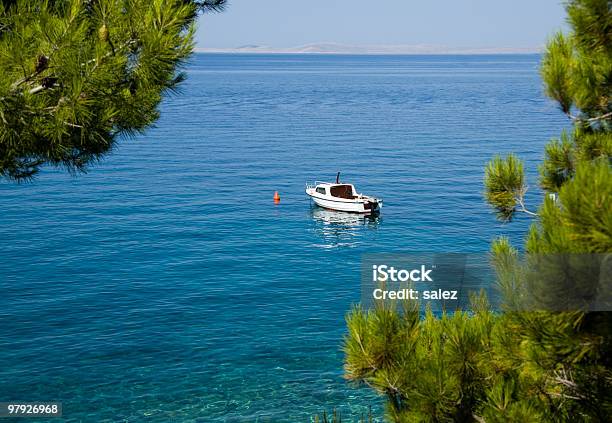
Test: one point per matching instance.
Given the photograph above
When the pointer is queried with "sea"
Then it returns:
(166, 285)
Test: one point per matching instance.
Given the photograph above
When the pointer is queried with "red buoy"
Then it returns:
(276, 197)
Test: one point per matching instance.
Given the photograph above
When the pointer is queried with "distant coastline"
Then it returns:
(373, 49)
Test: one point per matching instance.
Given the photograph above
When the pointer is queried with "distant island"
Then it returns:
(338, 48)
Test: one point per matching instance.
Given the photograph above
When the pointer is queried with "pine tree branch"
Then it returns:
(565, 379)
(211, 5)
(365, 354)
(40, 68)
(593, 119)
(42, 87)
(479, 419)
(67, 77)
(520, 200)
(392, 390)
(73, 125)
(524, 209)
(37, 89)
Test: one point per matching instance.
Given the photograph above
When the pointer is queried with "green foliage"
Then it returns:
(577, 69)
(505, 184)
(76, 74)
(577, 73)
(593, 145)
(558, 166)
(581, 221)
(592, 24)
(430, 369)
(551, 361)
(557, 65)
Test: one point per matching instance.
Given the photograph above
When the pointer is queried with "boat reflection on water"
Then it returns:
(342, 229)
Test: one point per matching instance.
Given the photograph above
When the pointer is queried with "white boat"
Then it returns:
(342, 197)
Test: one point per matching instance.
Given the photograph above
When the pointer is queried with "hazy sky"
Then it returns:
(452, 23)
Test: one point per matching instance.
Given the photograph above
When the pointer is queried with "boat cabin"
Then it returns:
(337, 190)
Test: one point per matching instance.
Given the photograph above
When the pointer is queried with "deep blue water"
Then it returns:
(165, 285)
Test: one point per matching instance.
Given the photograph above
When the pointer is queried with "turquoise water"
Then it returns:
(166, 285)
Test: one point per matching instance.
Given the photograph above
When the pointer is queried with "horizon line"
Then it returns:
(370, 49)
(327, 53)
